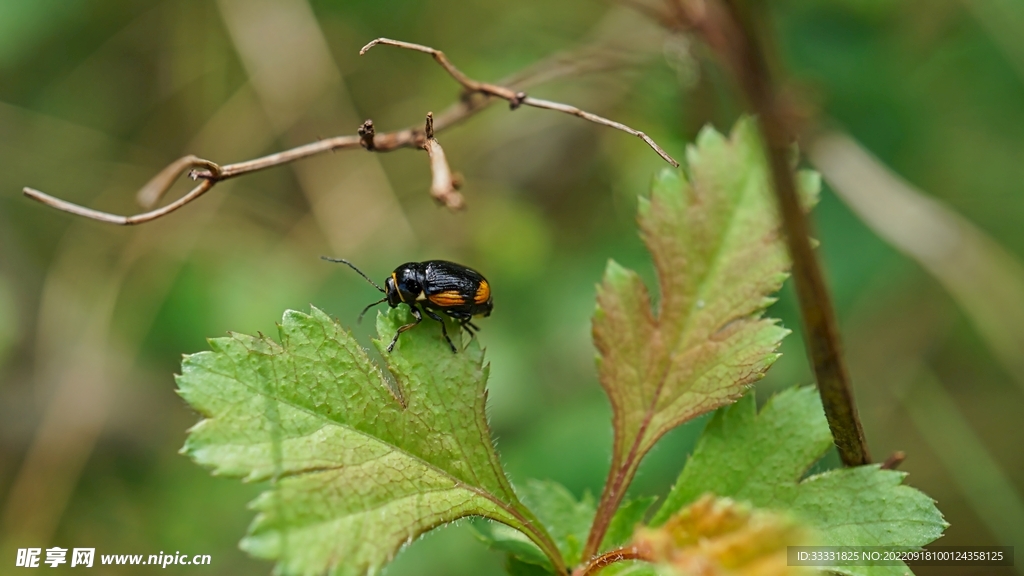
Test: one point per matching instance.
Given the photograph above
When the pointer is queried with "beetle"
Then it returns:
(435, 286)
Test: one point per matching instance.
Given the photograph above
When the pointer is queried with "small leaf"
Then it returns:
(760, 458)
(516, 567)
(566, 520)
(718, 536)
(624, 523)
(715, 240)
(506, 539)
(357, 467)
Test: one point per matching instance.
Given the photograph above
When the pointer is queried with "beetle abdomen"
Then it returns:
(455, 287)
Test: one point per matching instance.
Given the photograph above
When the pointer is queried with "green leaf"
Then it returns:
(760, 459)
(715, 240)
(357, 467)
(505, 539)
(566, 519)
(516, 567)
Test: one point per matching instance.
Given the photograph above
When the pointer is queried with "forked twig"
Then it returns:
(516, 99)
(443, 183)
(153, 191)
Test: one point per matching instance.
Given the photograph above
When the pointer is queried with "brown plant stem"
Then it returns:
(737, 43)
(477, 96)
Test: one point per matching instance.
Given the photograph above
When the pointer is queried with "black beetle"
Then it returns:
(447, 287)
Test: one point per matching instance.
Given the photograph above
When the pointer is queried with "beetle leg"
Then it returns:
(444, 330)
(416, 314)
(465, 321)
(469, 327)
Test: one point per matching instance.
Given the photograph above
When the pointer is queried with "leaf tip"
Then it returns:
(668, 178)
(709, 137)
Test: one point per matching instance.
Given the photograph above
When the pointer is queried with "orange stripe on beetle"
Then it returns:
(483, 293)
(447, 298)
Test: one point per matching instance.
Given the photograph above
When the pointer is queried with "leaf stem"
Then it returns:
(534, 530)
(618, 555)
(620, 476)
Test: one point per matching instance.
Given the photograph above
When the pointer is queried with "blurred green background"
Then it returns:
(96, 97)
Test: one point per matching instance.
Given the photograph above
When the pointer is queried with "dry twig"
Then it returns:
(66, 206)
(478, 95)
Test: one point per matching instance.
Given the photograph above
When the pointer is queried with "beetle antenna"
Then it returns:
(353, 266)
(363, 313)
